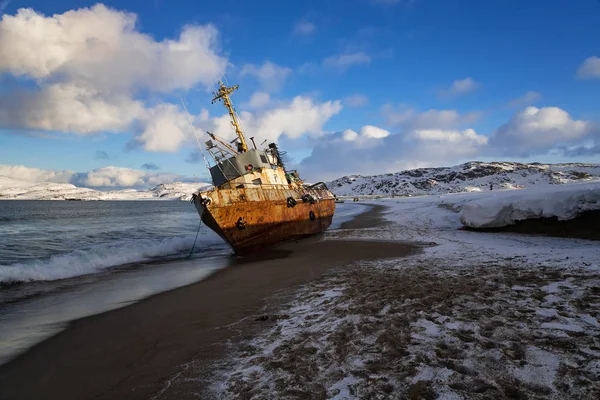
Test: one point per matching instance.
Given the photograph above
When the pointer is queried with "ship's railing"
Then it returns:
(316, 186)
(262, 185)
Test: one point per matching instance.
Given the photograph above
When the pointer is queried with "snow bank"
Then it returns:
(505, 208)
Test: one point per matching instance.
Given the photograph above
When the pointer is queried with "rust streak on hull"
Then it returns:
(250, 219)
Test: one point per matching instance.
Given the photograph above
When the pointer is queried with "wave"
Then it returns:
(95, 259)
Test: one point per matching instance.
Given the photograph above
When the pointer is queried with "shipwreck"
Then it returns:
(255, 202)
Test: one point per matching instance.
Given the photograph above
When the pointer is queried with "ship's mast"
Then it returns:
(223, 94)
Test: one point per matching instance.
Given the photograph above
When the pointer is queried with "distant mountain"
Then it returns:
(468, 177)
(471, 176)
(11, 189)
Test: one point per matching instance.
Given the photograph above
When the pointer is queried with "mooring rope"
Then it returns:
(194, 245)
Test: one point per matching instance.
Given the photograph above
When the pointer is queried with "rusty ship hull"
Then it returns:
(251, 219)
(256, 202)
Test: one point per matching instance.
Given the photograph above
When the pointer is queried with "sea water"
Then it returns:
(64, 260)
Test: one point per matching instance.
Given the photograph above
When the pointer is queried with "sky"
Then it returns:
(90, 93)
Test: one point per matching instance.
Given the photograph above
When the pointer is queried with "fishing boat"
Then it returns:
(255, 202)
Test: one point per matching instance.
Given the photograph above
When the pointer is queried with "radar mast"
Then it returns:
(223, 94)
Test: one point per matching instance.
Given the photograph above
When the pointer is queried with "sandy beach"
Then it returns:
(132, 351)
(400, 302)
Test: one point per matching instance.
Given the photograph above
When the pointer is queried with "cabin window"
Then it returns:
(257, 182)
(264, 159)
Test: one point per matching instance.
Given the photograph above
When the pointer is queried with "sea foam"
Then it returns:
(95, 259)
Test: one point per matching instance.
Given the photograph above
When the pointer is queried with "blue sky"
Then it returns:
(476, 65)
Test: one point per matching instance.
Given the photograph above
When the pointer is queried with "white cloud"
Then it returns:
(101, 177)
(101, 47)
(68, 107)
(304, 28)
(363, 135)
(271, 76)
(458, 87)
(528, 98)
(362, 139)
(343, 61)
(431, 138)
(258, 100)
(590, 68)
(23, 173)
(536, 130)
(371, 131)
(357, 100)
(349, 152)
(409, 119)
(449, 136)
(89, 64)
(349, 135)
(167, 128)
(436, 147)
(301, 116)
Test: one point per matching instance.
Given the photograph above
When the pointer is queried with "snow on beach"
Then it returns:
(474, 315)
(506, 207)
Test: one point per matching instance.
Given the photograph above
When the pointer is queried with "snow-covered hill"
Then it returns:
(468, 177)
(11, 189)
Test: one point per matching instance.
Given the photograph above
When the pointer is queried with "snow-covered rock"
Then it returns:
(469, 177)
(11, 189)
(505, 208)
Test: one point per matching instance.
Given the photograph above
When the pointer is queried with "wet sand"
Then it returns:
(130, 353)
(369, 219)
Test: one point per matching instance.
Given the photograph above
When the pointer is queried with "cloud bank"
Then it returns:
(537, 130)
(88, 68)
(443, 137)
(107, 177)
